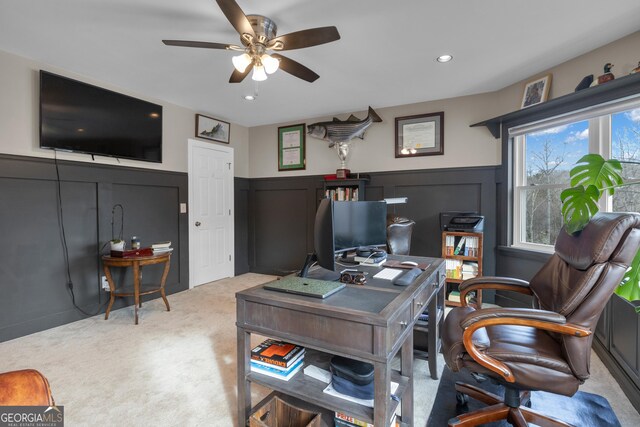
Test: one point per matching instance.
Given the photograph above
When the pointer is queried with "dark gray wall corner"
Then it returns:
(33, 281)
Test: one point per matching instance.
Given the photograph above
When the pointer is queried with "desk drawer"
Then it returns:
(399, 324)
(421, 300)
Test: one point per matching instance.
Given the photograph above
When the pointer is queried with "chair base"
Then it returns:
(509, 409)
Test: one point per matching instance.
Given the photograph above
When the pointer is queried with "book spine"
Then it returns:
(274, 373)
(351, 421)
(279, 367)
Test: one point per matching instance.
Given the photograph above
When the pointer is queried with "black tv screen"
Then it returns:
(82, 118)
(358, 224)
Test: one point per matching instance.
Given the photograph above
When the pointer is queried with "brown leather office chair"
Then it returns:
(547, 347)
(25, 388)
(399, 231)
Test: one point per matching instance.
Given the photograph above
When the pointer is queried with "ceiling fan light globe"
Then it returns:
(258, 74)
(270, 63)
(241, 62)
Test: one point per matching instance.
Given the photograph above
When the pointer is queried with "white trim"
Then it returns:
(599, 118)
(579, 115)
(226, 149)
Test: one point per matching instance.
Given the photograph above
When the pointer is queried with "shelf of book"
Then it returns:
(304, 387)
(462, 252)
(345, 189)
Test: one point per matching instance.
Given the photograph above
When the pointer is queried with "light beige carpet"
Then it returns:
(178, 368)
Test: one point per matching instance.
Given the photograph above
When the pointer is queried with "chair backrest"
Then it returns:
(399, 231)
(579, 278)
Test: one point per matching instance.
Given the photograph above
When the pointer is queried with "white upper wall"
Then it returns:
(623, 54)
(463, 146)
(19, 121)
(256, 148)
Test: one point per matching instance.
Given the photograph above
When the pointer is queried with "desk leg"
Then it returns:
(382, 393)
(244, 386)
(434, 336)
(406, 369)
(112, 289)
(165, 273)
(136, 288)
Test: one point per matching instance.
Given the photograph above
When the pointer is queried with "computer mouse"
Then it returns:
(411, 263)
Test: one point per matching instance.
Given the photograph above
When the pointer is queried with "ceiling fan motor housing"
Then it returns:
(264, 28)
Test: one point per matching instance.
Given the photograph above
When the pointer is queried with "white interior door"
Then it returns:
(210, 212)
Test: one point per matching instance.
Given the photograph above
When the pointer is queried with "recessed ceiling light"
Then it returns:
(444, 58)
(249, 98)
(154, 115)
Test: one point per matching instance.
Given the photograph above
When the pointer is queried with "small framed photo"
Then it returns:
(421, 135)
(536, 91)
(213, 129)
(291, 147)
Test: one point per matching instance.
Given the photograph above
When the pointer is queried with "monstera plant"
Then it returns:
(591, 177)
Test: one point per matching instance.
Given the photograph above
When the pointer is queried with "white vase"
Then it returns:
(117, 246)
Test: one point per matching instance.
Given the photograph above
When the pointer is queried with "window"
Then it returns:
(545, 152)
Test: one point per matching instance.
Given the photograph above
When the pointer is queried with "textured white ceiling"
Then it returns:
(386, 55)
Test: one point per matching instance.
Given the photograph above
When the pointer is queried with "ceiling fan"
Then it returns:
(259, 41)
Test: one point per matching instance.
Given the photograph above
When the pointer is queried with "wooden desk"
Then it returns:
(371, 323)
(136, 262)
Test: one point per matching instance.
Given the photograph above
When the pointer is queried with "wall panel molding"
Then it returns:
(34, 282)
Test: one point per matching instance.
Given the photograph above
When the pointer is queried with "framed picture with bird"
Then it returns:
(536, 91)
(213, 129)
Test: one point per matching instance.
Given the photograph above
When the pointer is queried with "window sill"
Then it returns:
(524, 253)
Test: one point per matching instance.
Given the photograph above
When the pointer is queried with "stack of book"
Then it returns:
(453, 268)
(454, 296)
(277, 359)
(161, 248)
(469, 270)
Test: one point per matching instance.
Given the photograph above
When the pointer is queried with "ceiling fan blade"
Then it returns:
(236, 17)
(306, 38)
(237, 76)
(206, 45)
(296, 69)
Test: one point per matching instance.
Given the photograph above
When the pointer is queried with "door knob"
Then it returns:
(198, 224)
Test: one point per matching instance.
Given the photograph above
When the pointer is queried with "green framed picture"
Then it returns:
(291, 147)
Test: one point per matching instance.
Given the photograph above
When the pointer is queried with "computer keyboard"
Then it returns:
(387, 273)
(407, 278)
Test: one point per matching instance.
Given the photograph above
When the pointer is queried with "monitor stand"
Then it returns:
(319, 272)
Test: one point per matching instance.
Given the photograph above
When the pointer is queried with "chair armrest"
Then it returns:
(495, 283)
(540, 319)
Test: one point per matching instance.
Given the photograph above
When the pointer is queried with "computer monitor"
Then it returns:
(324, 250)
(358, 224)
(344, 226)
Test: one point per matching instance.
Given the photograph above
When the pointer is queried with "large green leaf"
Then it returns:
(593, 169)
(578, 206)
(629, 288)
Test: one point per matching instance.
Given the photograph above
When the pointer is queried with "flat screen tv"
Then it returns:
(82, 118)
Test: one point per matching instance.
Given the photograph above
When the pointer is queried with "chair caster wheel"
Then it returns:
(461, 398)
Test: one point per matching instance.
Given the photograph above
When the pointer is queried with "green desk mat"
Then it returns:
(305, 286)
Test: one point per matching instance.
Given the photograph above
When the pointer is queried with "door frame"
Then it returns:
(193, 143)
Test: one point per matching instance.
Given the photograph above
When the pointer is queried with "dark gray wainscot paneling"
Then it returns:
(33, 275)
(282, 210)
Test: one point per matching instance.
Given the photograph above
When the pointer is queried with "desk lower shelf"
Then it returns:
(304, 387)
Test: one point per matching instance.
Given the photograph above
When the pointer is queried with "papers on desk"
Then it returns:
(330, 390)
(388, 273)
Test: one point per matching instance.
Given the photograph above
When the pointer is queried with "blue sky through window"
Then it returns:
(565, 144)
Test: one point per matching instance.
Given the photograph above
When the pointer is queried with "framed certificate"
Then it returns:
(291, 147)
(421, 135)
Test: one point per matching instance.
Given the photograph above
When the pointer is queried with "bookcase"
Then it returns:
(462, 252)
(345, 189)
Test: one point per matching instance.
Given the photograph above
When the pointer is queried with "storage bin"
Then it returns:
(278, 413)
